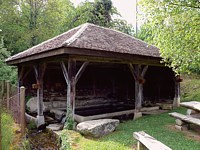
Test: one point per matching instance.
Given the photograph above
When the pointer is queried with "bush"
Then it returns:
(7, 130)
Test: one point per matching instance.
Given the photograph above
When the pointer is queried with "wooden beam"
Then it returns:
(21, 72)
(26, 73)
(65, 73)
(144, 71)
(80, 71)
(36, 72)
(134, 74)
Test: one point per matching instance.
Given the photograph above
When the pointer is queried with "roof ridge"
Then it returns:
(122, 33)
(76, 35)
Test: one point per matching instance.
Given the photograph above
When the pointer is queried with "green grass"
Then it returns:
(157, 126)
(190, 88)
(7, 130)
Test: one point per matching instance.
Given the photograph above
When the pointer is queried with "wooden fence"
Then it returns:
(12, 100)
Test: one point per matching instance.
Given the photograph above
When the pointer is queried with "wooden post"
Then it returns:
(39, 74)
(138, 101)
(138, 74)
(22, 108)
(72, 74)
(176, 102)
(8, 94)
(71, 78)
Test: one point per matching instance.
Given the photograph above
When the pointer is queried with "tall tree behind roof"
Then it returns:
(26, 23)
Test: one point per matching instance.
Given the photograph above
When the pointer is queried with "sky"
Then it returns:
(125, 7)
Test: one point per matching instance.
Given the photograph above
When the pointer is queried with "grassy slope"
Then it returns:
(190, 88)
(122, 138)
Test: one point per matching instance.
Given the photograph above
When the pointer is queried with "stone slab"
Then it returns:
(97, 128)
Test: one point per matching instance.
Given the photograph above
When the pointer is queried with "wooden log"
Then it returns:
(22, 108)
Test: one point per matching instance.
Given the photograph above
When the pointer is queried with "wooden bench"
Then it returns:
(183, 121)
(188, 119)
(146, 141)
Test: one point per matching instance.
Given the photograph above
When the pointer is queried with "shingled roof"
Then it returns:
(92, 37)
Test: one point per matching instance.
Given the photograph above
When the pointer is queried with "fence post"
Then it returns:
(8, 94)
(22, 108)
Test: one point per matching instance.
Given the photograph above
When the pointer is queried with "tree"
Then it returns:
(175, 29)
(26, 23)
(6, 72)
(101, 12)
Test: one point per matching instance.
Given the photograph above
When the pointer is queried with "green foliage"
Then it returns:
(175, 29)
(69, 124)
(101, 12)
(26, 23)
(190, 88)
(6, 72)
(31, 125)
(7, 130)
(65, 145)
(25, 145)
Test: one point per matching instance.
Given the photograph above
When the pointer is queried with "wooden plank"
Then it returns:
(185, 118)
(149, 108)
(195, 105)
(79, 118)
(150, 142)
(80, 71)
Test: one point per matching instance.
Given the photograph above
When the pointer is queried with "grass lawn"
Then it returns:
(159, 126)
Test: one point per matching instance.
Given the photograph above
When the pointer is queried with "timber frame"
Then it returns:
(90, 46)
